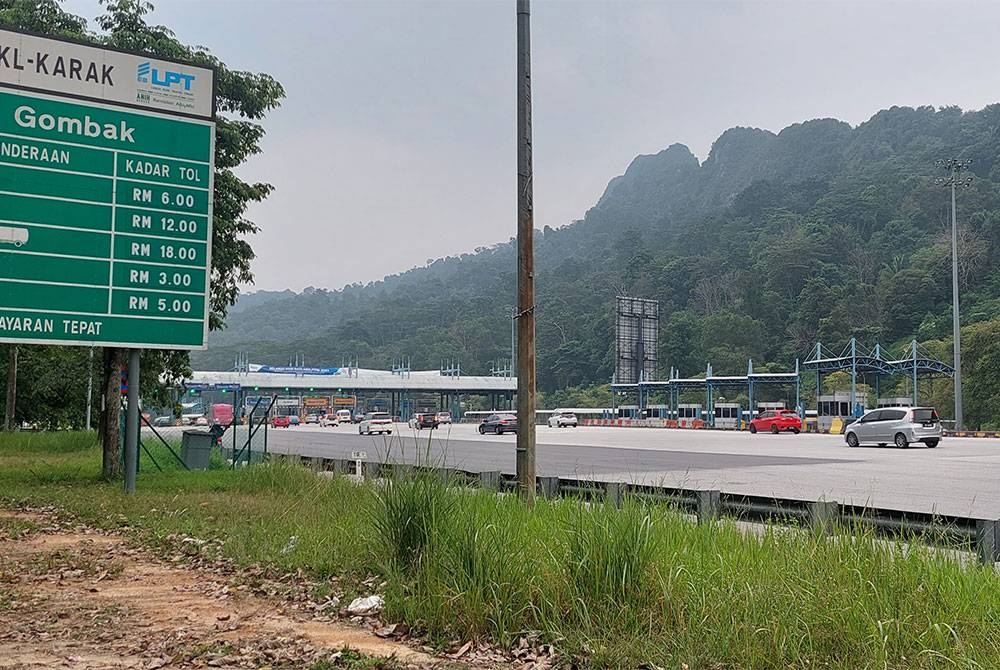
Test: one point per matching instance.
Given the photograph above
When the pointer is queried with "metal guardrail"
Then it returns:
(981, 536)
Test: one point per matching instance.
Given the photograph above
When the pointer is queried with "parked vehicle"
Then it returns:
(499, 424)
(425, 420)
(563, 420)
(344, 415)
(776, 421)
(375, 422)
(163, 421)
(443, 417)
(280, 422)
(201, 421)
(901, 426)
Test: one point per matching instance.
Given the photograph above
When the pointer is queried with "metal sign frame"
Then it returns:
(637, 328)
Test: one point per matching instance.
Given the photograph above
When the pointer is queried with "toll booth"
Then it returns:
(894, 402)
(727, 415)
(628, 412)
(687, 414)
(769, 406)
(286, 405)
(316, 404)
(832, 406)
(659, 412)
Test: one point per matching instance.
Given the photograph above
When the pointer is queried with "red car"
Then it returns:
(776, 421)
(280, 422)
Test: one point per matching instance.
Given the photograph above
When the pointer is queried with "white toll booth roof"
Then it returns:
(360, 379)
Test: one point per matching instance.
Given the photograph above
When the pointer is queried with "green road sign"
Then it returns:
(105, 196)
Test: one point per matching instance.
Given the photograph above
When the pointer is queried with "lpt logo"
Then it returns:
(146, 74)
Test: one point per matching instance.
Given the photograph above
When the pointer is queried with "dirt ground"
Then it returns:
(73, 597)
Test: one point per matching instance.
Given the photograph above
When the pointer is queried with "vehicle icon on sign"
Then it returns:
(15, 236)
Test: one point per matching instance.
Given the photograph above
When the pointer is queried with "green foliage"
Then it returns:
(52, 385)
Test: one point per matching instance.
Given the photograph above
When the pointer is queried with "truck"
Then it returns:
(220, 414)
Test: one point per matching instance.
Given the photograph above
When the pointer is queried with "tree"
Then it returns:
(244, 98)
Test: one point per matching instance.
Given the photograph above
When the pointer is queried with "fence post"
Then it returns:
(988, 541)
(615, 492)
(549, 487)
(823, 514)
(709, 506)
(489, 480)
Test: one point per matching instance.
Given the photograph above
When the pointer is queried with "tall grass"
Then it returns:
(610, 588)
(621, 588)
(409, 508)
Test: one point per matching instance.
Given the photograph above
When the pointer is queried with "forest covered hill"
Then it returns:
(776, 241)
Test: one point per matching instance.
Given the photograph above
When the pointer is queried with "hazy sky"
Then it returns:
(396, 142)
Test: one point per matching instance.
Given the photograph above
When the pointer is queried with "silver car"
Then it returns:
(897, 425)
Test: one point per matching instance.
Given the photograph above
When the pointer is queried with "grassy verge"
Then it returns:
(612, 588)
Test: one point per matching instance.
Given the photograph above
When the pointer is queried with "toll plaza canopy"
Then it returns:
(268, 378)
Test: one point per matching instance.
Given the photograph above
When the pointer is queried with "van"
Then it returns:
(901, 426)
(15, 236)
(343, 416)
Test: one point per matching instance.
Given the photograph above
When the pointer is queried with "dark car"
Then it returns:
(499, 424)
(425, 420)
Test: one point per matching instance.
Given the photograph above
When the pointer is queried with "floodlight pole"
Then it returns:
(525, 264)
(955, 320)
(955, 168)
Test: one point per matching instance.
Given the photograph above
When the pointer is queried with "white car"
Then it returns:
(375, 422)
(563, 420)
(329, 420)
(344, 415)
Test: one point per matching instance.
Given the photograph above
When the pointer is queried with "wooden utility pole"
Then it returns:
(525, 264)
(9, 420)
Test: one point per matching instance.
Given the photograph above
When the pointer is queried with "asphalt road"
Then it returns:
(959, 478)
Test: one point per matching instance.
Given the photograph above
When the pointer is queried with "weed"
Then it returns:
(408, 510)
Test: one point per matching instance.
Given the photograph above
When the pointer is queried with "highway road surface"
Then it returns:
(961, 477)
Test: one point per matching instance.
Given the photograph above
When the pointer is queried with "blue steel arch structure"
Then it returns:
(710, 384)
(859, 360)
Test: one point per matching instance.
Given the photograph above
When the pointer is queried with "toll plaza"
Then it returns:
(874, 366)
(710, 414)
(300, 390)
(833, 409)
